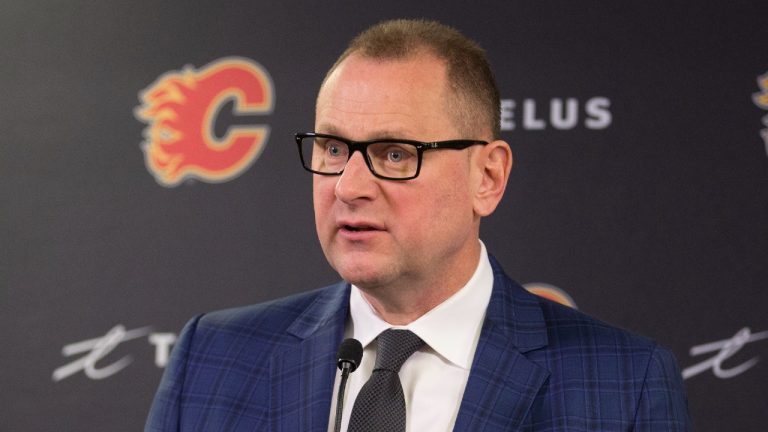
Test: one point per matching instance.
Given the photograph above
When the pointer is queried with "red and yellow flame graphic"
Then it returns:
(180, 109)
(550, 292)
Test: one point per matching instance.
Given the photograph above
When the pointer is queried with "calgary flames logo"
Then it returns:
(761, 100)
(180, 111)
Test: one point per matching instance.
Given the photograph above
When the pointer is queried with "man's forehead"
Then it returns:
(395, 131)
(356, 64)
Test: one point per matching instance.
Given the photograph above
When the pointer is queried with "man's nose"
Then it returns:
(357, 181)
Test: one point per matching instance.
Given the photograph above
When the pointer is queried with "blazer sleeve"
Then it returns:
(663, 405)
(164, 415)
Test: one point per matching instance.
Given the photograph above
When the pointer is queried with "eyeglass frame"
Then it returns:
(362, 146)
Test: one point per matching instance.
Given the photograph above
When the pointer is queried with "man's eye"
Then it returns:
(335, 150)
(396, 155)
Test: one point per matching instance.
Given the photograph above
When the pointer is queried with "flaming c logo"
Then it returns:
(180, 110)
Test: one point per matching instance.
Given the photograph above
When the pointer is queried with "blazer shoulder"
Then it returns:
(567, 326)
(539, 322)
(222, 360)
(273, 317)
(617, 361)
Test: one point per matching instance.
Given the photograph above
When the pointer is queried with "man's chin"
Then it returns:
(363, 276)
(363, 281)
(368, 267)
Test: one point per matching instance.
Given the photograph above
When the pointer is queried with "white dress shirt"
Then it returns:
(434, 377)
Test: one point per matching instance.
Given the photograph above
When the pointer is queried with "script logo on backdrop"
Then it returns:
(724, 350)
(562, 114)
(181, 108)
(96, 349)
(761, 100)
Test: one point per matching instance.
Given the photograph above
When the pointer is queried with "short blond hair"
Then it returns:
(476, 107)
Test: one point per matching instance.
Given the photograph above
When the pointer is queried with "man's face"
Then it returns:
(380, 233)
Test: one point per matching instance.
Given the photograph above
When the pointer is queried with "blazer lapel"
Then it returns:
(503, 383)
(302, 377)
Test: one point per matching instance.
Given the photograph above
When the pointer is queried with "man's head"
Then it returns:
(474, 101)
(406, 243)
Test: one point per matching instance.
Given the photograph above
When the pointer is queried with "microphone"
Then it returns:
(350, 353)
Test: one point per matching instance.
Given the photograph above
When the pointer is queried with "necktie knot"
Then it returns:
(395, 346)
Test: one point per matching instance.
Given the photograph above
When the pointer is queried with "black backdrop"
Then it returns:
(649, 209)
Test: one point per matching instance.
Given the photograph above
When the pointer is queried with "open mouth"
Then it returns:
(358, 228)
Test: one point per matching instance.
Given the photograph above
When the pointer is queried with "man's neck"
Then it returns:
(404, 310)
(404, 303)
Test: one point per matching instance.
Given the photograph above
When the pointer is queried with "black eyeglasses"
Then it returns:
(387, 158)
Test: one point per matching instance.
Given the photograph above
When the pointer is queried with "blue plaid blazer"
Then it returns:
(539, 366)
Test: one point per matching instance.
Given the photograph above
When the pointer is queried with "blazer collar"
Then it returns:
(330, 308)
(503, 382)
(302, 377)
(515, 312)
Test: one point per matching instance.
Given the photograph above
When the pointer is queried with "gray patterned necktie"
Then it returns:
(380, 405)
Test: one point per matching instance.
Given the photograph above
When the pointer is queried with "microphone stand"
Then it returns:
(345, 370)
(349, 356)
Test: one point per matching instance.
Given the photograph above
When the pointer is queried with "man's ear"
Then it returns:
(494, 163)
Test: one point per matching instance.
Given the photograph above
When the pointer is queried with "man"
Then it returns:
(406, 162)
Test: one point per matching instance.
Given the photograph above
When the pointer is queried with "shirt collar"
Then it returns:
(451, 338)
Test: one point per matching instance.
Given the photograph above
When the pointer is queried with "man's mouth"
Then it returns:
(358, 228)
